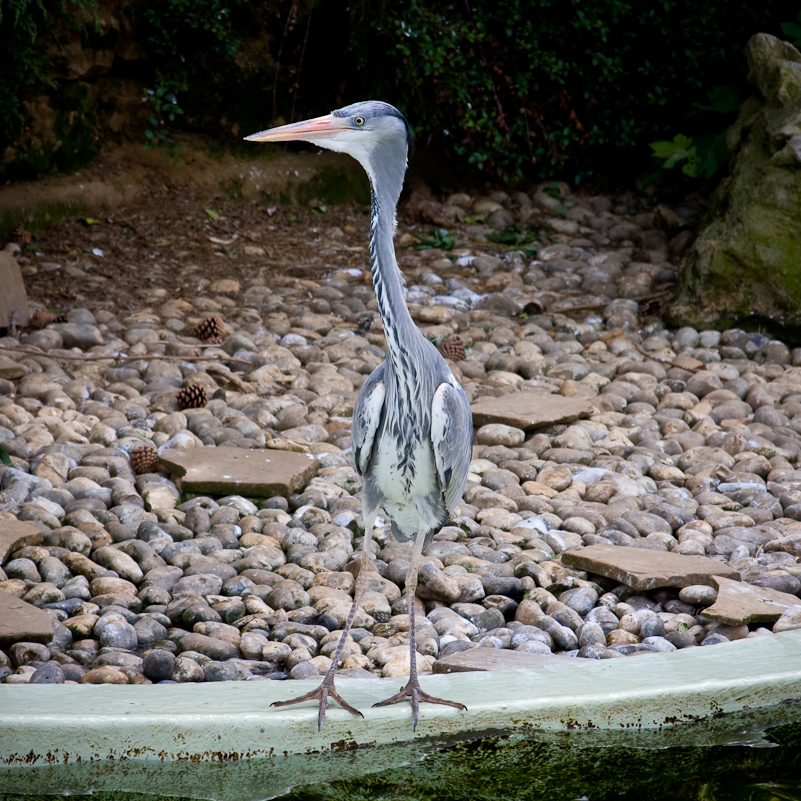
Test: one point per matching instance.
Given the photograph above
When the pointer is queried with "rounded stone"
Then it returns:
(500, 434)
(157, 664)
(50, 673)
(304, 670)
(698, 595)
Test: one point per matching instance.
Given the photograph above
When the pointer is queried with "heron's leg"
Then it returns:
(327, 688)
(412, 690)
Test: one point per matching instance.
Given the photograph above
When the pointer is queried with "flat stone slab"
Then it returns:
(22, 622)
(643, 569)
(13, 299)
(16, 534)
(259, 472)
(493, 659)
(739, 602)
(529, 410)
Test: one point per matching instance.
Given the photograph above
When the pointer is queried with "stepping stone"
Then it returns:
(257, 472)
(529, 410)
(739, 602)
(15, 534)
(13, 299)
(493, 659)
(22, 622)
(643, 569)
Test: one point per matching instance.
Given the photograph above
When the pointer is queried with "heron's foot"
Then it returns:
(321, 694)
(414, 692)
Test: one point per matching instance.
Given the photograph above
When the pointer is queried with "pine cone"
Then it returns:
(144, 459)
(19, 235)
(209, 329)
(41, 319)
(453, 348)
(364, 323)
(61, 318)
(193, 397)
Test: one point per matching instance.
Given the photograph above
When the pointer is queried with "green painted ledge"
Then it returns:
(73, 738)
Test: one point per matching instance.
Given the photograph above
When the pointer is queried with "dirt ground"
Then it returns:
(149, 224)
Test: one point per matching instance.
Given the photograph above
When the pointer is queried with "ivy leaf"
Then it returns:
(437, 238)
(792, 30)
(680, 149)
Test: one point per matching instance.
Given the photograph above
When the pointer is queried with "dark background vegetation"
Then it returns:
(513, 88)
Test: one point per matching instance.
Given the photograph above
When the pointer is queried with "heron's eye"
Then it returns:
(358, 121)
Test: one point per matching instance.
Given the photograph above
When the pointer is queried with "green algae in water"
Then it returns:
(748, 756)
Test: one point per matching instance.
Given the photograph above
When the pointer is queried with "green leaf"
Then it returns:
(723, 99)
(91, 221)
(679, 150)
(5, 457)
(514, 236)
(792, 30)
(437, 238)
(164, 243)
(213, 214)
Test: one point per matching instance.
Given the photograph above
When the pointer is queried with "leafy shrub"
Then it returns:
(546, 87)
(185, 38)
(24, 24)
(704, 154)
(792, 30)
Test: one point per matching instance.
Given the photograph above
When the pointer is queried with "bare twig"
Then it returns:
(121, 357)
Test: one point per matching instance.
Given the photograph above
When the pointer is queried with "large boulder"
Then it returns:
(745, 266)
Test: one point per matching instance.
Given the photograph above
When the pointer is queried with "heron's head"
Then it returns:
(367, 131)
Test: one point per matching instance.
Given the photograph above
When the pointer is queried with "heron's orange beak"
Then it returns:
(327, 125)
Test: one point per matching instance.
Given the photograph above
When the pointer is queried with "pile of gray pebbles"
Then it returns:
(691, 447)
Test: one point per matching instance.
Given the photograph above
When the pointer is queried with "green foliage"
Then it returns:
(187, 39)
(515, 235)
(24, 24)
(704, 154)
(165, 111)
(792, 30)
(547, 87)
(437, 238)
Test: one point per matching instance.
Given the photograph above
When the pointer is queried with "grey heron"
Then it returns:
(412, 426)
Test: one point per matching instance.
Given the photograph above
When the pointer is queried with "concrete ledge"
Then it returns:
(55, 725)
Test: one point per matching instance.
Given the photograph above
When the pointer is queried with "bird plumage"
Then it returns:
(412, 426)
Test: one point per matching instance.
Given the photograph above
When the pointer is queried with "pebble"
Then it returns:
(691, 446)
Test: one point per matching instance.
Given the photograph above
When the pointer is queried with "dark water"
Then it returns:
(750, 756)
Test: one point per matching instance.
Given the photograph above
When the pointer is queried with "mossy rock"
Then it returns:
(745, 266)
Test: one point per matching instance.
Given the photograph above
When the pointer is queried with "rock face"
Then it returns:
(744, 264)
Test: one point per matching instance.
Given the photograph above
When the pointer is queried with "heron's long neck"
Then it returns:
(399, 329)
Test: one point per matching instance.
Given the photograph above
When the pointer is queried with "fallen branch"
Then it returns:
(121, 357)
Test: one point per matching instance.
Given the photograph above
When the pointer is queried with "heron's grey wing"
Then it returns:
(367, 413)
(452, 437)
